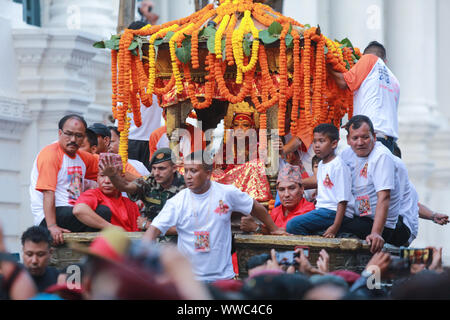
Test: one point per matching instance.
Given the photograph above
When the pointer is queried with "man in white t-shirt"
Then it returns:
(376, 92)
(375, 187)
(409, 203)
(202, 216)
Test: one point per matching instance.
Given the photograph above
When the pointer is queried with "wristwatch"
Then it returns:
(144, 224)
(258, 229)
(433, 215)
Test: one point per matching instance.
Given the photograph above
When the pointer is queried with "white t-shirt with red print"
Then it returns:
(372, 174)
(334, 184)
(409, 207)
(376, 93)
(54, 170)
(203, 223)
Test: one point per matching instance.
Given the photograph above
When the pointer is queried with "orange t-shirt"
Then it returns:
(358, 73)
(54, 170)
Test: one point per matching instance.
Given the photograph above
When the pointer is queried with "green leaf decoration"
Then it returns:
(289, 41)
(211, 43)
(347, 43)
(133, 45)
(247, 45)
(290, 28)
(99, 45)
(275, 28)
(325, 50)
(209, 32)
(184, 52)
(158, 42)
(266, 37)
(134, 52)
(201, 33)
(308, 26)
(168, 36)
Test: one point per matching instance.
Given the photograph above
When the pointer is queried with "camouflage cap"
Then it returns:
(290, 173)
(161, 155)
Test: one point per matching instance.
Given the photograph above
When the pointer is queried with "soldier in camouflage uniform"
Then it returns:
(153, 190)
(152, 193)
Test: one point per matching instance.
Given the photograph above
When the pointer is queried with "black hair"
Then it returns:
(71, 116)
(315, 160)
(284, 286)
(258, 260)
(202, 157)
(114, 128)
(397, 152)
(377, 49)
(91, 137)
(37, 234)
(357, 121)
(329, 130)
(136, 25)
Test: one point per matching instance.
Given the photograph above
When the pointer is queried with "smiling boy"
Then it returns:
(333, 188)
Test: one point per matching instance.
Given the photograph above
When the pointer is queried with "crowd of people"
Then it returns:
(80, 184)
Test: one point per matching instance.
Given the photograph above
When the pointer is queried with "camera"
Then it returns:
(399, 266)
(286, 258)
(417, 255)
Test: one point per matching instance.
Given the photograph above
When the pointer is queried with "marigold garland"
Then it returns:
(314, 96)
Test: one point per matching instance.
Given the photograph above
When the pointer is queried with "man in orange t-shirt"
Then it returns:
(57, 178)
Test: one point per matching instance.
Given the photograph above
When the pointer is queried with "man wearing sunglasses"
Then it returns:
(57, 178)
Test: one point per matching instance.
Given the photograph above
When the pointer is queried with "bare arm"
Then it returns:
(310, 182)
(89, 217)
(261, 214)
(375, 240)
(151, 234)
(339, 78)
(428, 214)
(292, 145)
(50, 217)
(121, 182)
(381, 211)
(334, 228)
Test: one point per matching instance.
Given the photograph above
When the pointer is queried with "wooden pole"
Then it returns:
(126, 14)
(200, 4)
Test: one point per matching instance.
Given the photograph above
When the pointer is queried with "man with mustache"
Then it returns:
(375, 187)
(57, 178)
(153, 190)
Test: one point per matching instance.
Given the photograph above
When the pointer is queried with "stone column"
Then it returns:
(360, 21)
(312, 12)
(443, 47)
(412, 51)
(412, 41)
